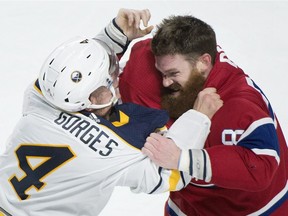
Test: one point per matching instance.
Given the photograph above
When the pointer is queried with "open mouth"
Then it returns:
(173, 91)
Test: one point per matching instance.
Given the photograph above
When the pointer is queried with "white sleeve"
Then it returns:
(144, 176)
(197, 163)
(190, 130)
(114, 36)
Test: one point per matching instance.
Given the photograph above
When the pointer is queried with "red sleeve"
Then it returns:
(236, 167)
(140, 81)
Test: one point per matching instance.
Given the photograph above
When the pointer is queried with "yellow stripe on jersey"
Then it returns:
(124, 119)
(174, 179)
(38, 90)
(119, 137)
(4, 213)
(163, 130)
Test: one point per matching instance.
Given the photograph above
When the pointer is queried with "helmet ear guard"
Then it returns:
(74, 70)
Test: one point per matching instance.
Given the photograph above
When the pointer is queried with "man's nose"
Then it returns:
(166, 81)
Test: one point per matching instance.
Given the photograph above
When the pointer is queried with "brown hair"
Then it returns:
(184, 35)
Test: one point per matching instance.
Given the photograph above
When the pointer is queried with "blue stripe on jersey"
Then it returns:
(275, 206)
(160, 181)
(37, 85)
(127, 41)
(172, 209)
(191, 162)
(120, 45)
(262, 137)
(182, 177)
(171, 212)
(271, 112)
(205, 169)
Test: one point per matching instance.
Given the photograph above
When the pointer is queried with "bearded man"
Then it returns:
(242, 168)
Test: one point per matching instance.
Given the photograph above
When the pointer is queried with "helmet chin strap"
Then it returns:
(112, 101)
(100, 106)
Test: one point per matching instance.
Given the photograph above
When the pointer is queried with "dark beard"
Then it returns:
(176, 106)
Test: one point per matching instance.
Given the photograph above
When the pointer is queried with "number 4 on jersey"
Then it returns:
(49, 157)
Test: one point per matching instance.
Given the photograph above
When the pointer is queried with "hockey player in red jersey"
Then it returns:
(242, 168)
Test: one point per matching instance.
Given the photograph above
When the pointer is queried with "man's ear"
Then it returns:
(204, 64)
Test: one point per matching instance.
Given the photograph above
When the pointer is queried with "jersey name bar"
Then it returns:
(87, 133)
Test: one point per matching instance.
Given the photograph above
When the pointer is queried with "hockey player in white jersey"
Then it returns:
(62, 159)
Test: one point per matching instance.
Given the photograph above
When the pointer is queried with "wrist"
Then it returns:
(113, 35)
(196, 162)
(117, 26)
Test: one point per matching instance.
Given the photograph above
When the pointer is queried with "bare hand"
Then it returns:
(162, 151)
(129, 21)
(208, 102)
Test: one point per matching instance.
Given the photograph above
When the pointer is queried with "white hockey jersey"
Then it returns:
(67, 164)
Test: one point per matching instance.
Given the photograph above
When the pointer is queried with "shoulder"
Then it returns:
(143, 113)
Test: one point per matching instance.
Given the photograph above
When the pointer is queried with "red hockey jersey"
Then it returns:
(246, 147)
(141, 83)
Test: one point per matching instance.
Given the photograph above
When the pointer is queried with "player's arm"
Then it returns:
(253, 157)
(145, 176)
(186, 133)
(125, 27)
(244, 171)
(181, 149)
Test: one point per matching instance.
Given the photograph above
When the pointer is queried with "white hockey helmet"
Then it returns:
(74, 70)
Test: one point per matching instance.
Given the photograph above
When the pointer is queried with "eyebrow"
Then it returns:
(170, 72)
